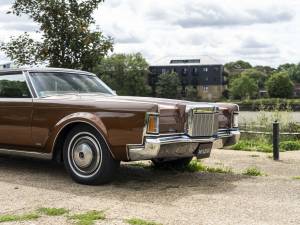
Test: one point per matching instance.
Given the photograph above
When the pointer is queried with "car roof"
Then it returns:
(46, 69)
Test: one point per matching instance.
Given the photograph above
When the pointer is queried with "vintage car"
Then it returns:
(73, 117)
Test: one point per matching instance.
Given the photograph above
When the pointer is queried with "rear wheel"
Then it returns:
(174, 163)
(87, 157)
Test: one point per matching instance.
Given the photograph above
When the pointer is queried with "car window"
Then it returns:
(13, 86)
(59, 83)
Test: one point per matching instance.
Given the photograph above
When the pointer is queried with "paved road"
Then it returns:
(162, 196)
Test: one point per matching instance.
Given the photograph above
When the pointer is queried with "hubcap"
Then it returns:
(83, 155)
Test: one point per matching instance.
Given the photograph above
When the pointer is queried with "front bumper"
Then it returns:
(178, 146)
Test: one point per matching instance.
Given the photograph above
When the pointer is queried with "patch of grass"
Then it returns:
(296, 178)
(252, 171)
(252, 145)
(53, 211)
(196, 166)
(141, 165)
(254, 156)
(136, 221)
(289, 145)
(14, 218)
(88, 218)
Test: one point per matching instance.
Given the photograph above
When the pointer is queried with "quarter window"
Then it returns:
(13, 86)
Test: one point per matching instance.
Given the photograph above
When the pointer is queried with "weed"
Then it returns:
(136, 221)
(296, 178)
(253, 171)
(53, 211)
(88, 218)
(23, 217)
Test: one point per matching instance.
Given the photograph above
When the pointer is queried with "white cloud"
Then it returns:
(262, 32)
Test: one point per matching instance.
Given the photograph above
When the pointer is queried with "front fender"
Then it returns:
(79, 117)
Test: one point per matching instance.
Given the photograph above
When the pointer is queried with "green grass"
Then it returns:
(196, 166)
(53, 211)
(252, 145)
(14, 218)
(253, 171)
(136, 221)
(254, 156)
(289, 145)
(88, 218)
(296, 178)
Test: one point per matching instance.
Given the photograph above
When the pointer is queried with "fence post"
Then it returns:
(276, 140)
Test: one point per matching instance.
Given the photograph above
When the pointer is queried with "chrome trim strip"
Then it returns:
(37, 155)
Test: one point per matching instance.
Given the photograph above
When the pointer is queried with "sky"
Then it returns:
(262, 32)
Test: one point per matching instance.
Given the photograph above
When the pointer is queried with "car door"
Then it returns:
(15, 111)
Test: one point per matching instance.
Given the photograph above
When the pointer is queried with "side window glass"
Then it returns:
(13, 86)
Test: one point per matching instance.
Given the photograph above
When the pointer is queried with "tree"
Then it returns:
(127, 74)
(279, 85)
(67, 39)
(238, 65)
(191, 93)
(243, 87)
(294, 73)
(256, 75)
(285, 67)
(168, 85)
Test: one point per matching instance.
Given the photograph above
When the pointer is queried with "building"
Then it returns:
(6, 66)
(203, 73)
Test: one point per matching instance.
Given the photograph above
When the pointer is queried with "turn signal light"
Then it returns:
(153, 123)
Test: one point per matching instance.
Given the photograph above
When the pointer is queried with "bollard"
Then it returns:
(276, 140)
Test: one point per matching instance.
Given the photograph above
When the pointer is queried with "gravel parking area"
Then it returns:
(166, 197)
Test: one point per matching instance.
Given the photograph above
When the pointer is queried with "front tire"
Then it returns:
(87, 157)
(174, 163)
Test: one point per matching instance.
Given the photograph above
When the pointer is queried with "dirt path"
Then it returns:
(162, 196)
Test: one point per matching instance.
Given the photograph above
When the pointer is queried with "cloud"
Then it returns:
(221, 16)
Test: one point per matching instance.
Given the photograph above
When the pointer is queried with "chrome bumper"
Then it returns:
(175, 146)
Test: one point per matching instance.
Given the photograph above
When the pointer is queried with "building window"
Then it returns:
(184, 70)
(195, 70)
(205, 88)
(164, 70)
(206, 78)
(205, 69)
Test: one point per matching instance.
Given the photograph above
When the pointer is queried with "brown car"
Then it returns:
(72, 116)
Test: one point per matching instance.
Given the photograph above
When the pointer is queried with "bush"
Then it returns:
(279, 85)
(290, 145)
(168, 85)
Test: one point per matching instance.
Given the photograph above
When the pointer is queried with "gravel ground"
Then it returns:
(163, 196)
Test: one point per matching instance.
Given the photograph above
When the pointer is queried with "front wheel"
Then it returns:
(174, 163)
(87, 157)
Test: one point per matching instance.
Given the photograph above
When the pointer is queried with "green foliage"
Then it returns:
(67, 40)
(243, 87)
(88, 218)
(53, 211)
(253, 145)
(191, 93)
(253, 171)
(256, 75)
(125, 73)
(296, 178)
(294, 73)
(18, 218)
(168, 85)
(136, 221)
(289, 145)
(238, 65)
(285, 67)
(196, 166)
(279, 85)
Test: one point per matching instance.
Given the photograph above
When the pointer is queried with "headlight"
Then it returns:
(235, 120)
(152, 122)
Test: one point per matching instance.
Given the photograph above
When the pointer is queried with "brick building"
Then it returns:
(203, 73)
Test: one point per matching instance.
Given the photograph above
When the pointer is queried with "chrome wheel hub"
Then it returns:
(83, 155)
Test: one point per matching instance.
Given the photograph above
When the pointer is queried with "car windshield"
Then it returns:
(59, 83)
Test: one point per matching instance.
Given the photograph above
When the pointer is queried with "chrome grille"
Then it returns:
(203, 122)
